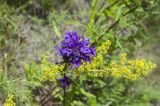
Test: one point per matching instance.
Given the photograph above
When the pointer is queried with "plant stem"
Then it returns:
(64, 89)
(64, 96)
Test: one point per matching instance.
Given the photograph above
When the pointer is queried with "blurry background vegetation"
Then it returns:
(29, 29)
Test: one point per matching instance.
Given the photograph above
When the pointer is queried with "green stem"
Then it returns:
(64, 89)
(64, 96)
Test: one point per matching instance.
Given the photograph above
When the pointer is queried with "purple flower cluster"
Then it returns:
(65, 81)
(75, 49)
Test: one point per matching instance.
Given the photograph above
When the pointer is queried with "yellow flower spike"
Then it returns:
(94, 65)
(61, 68)
(9, 101)
(104, 47)
(88, 68)
(132, 70)
(123, 58)
(107, 43)
(96, 62)
(49, 74)
(55, 69)
(81, 69)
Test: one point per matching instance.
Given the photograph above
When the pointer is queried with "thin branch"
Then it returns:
(114, 24)
(112, 4)
(108, 7)
(131, 10)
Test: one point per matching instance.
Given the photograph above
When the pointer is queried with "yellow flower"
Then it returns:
(132, 70)
(104, 47)
(48, 74)
(9, 101)
(123, 58)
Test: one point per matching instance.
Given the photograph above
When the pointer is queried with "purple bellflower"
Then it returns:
(75, 49)
(65, 81)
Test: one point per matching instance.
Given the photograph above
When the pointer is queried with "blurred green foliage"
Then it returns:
(27, 28)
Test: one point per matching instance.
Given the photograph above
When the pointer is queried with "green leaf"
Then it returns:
(87, 94)
(58, 33)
